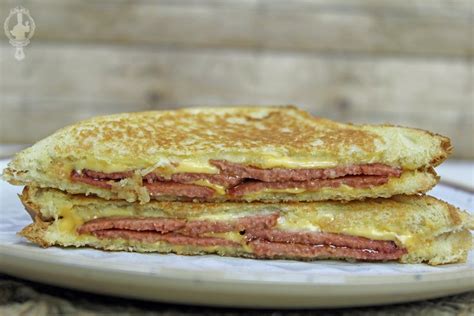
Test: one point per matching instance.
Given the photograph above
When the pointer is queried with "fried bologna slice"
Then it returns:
(408, 229)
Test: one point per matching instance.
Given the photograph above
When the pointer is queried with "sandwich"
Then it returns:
(269, 154)
(407, 229)
(175, 182)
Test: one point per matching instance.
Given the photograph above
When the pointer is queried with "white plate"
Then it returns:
(214, 280)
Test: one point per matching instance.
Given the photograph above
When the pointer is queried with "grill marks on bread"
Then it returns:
(211, 130)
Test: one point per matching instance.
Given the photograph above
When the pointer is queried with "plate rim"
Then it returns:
(228, 293)
(463, 271)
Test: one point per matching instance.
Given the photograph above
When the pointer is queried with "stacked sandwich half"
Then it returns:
(259, 182)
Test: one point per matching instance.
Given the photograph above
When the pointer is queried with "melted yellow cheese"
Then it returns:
(96, 165)
(69, 221)
(228, 216)
(193, 166)
(302, 224)
(255, 195)
(375, 234)
(288, 190)
(267, 161)
(232, 236)
(293, 222)
(200, 164)
(219, 189)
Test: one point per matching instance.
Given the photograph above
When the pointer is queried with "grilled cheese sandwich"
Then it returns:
(409, 229)
(267, 154)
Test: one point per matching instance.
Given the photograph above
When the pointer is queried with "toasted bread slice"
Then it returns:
(169, 143)
(419, 228)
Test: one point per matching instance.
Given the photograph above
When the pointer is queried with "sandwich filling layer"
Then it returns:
(404, 228)
(236, 180)
(257, 235)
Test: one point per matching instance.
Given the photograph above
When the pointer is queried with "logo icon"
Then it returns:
(20, 33)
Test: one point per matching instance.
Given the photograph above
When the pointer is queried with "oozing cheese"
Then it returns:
(232, 236)
(374, 234)
(70, 220)
(343, 189)
(293, 163)
(200, 164)
(219, 189)
(192, 166)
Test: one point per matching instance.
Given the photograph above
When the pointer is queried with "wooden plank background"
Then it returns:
(408, 63)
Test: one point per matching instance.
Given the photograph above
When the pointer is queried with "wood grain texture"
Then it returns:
(420, 27)
(377, 61)
(59, 84)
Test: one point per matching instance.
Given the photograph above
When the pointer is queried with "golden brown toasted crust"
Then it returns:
(445, 144)
(447, 150)
(31, 208)
(35, 232)
(217, 132)
(286, 131)
(185, 140)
